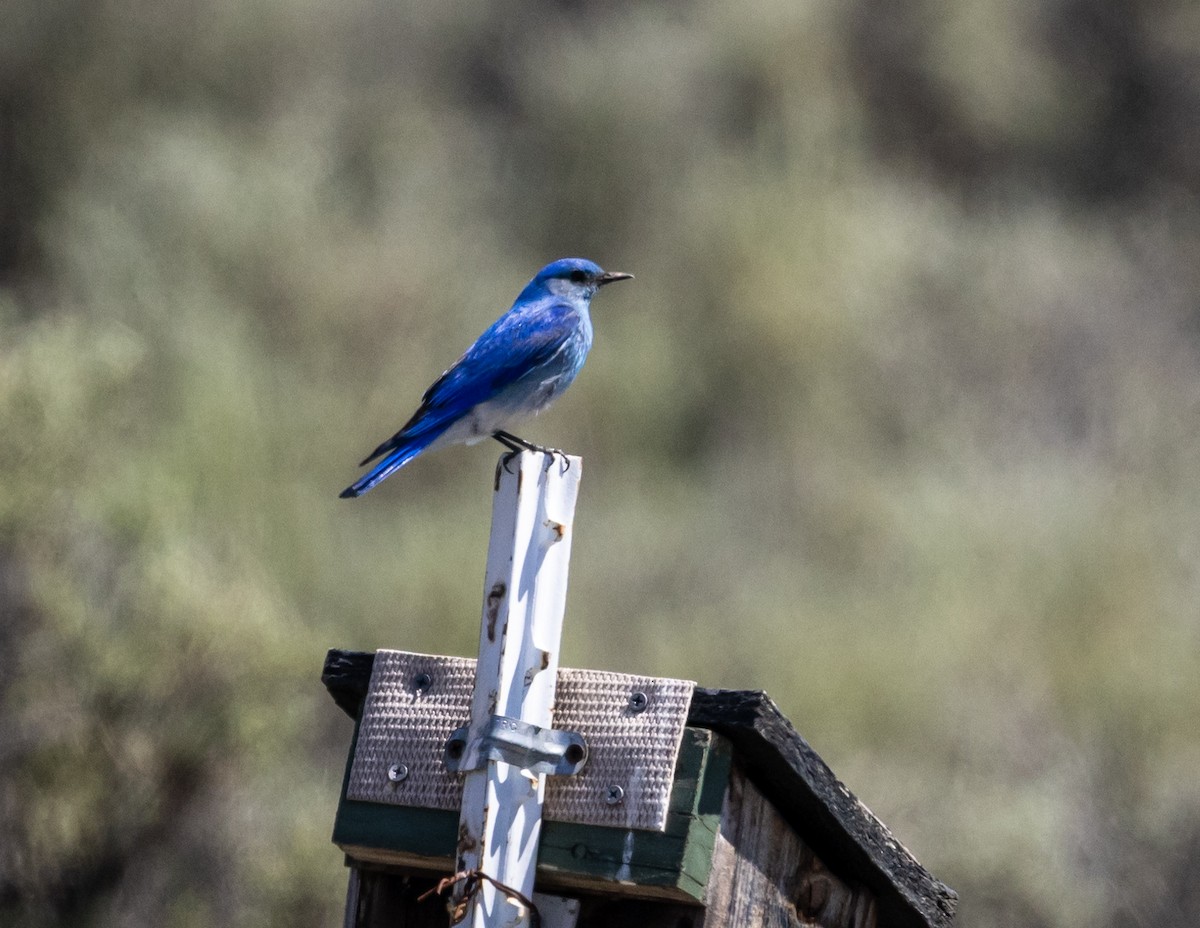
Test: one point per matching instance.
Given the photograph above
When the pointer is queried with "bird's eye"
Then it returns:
(578, 276)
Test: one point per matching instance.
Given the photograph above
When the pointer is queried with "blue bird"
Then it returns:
(515, 369)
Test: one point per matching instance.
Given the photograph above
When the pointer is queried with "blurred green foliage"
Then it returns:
(898, 421)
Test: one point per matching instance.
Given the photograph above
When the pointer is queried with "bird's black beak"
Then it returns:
(609, 276)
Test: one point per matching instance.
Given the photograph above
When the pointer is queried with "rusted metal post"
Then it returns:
(524, 598)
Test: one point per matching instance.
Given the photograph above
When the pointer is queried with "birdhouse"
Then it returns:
(665, 805)
(518, 794)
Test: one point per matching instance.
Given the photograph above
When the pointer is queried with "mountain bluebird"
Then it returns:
(515, 369)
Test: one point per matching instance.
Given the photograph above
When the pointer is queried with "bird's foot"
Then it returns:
(516, 445)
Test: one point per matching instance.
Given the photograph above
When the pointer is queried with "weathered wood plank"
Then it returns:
(840, 829)
(764, 874)
(347, 675)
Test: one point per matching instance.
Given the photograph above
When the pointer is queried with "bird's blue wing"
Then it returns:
(518, 343)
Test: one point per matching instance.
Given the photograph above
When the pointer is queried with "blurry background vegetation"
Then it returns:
(899, 420)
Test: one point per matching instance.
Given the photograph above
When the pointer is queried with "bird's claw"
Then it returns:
(551, 452)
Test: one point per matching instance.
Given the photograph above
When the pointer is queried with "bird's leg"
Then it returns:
(516, 445)
(509, 442)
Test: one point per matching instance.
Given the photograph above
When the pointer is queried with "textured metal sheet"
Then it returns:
(633, 750)
(405, 722)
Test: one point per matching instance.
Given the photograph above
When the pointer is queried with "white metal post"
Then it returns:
(524, 598)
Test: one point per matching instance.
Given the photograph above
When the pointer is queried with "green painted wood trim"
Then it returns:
(673, 863)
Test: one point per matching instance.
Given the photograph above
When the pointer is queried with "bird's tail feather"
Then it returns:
(388, 466)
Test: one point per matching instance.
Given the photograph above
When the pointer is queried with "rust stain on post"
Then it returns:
(466, 841)
(494, 599)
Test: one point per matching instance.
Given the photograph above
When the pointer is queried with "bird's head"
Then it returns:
(574, 277)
